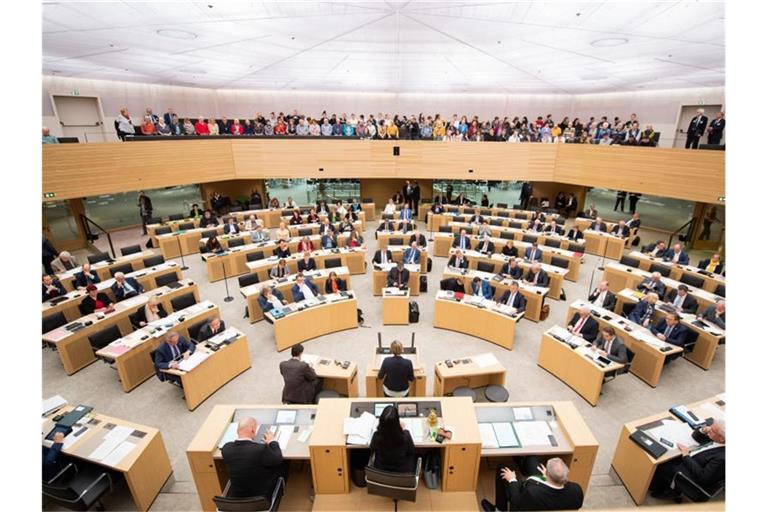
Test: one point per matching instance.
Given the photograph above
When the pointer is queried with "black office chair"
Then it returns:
(95, 258)
(236, 242)
(166, 279)
(484, 266)
(186, 225)
(155, 220)
(366, 200)
(396, 241)
(621, 371)
(79, 487)
(209, 233)
(387, 216)
(236, 208)
(516, 225)
(184, 301)
(398, 486)
(627, 308)
(557, 261)
(254, 206)
(153, 261)
(530, 238)
(507, 235)
(452, 209)
(497, 222)
(125, 268)
(485, 211)
(693, 491)
(104, 337)
(502, 205)
(255, 503)
(690, 341)
(552, 243)
(305, 231)
(461, 218)
(131, 249)
(53, 321)
(162, 230)
(630, 262)
(445, 229)
(575, 247)
(692, 280)
(720, 290)
(286, 213)
(136, 318)
(521, 216)
(194, 330)
(503, 214)
(661, 269)
(254, 256)
(332, 262)
(176, 216)
(248, 280)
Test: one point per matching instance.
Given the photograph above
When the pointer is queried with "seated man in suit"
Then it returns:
(547, 490)
(657, 249)
(536, 276)
(513, 297)
(270, 299)
(610, 346)
(95, 301)
(253, 467)
(326, 228)
(670, 329)
(85, 277)
(382, 257)
(591, 212)
(214, 326)
(482, 288)
(634, 223)
(583, 324)
(509, 249)
(598, 225)
(715, 314)
(704, 463)
(454, 284)
(282, 251)
(64, 262)
(412, 255)
(458, 260)
(681, 300)
(301, 382)
(676, 255)
(328, 241)
(533, 253)
(653, 284)
(303, 289)
(643, 311)
(484, 231)
(307, 263)
(603, 297)
(280, 270)
(417, 237)
(333, 284)
(536, 225)
(52, 288)
(485, 246)
(437, 208)
(231, 228)
(713, 265)
(387, 225)
(620, 230)
(125, 287)
(168, 354)
(259, 234)
(51, 457)
(398, 276)
(208, 219)
(511, 269)
(406, 213)
(553, 229)
(476, 219)
(405, 226)
(462, 241)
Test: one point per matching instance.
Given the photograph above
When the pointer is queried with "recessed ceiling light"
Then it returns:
(609, 41)
(176, 34)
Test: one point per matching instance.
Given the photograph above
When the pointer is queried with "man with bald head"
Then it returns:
(254, 465)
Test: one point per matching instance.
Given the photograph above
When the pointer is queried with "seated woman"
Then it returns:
(283, 233)
(213, 245)
(355, 239)
(313, 217)
(390, 208)
(274, 203)
(290, 203)
(305, 244)
(334, 284)
(391, 445)
(346, 225)
(280, 270)
(95, 301)
(153, 311)
(296, 218)
(509, 249)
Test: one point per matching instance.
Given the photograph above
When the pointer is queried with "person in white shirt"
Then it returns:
(602, 297)
(252, 223)
(282, 232)
(124, 123)
(290, 203)
(484, 230)
(307, 292)
(390, 207)
(340, 209)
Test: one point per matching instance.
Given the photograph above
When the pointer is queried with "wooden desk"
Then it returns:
(204, 456)
(574, 366)
(575, 443)
(398, 251)
(352, 258)
(173, 224)
(375, 387)
(225, 239)
(395, 305)
(336, 314)
(634, 466)
(707, 342)
(650, 352)
(583, 223)
(466, 372)
(173, 245)
(146, 467)
(463, 213)
(491, 323)
(599, 243)
(316, 226)
(132, 354)
(384, 238)
(460, 455)
(677, 271)
(270, 217)
(534, 294)
(380, 278)
(75, 350)
(103, 268)
(334, 376)
(219, 367)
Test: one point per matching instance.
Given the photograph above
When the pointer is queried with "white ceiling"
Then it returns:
(391, 46)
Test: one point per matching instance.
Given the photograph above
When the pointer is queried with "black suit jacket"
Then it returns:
(397, 373)
(617, 230)
(698, 127)
(307, 265)
(164, 355)
(603, 227)
(253, 468)
(534, 495)
(120, 292)
(519, 303)
(82, 281)
(392, 277)
(59, 288)
(541, 280)
(421, 242)
(618, 351)
(387, 225)
(206, 332)
(703, 264)
(457, 242)
(608, 303)
(706, 468)
(342, 285)
(676, 336)
(482, 247)
(88, 305)
(588, 330)
(300, 381)
(377, 256)
(690, 304)
(464, 263)
(648, 286)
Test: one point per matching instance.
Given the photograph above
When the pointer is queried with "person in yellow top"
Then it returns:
(438, 128)
(557, 133)
(393, 132)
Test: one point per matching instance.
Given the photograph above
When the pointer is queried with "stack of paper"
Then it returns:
(416, 426)
(283, 436)
(310, 359)
(487, 435)
(192, 361)
(674, 432)
(522, 413)
(53, 403)
(485, 360)
(286, 417)
(359, 430)
(714, 411)
(118, 454)
(533, 433)
(505, 435)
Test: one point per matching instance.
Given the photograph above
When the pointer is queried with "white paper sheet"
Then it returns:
(53, 403)
(714, 411)
(229, 435)
(522, 413)
(505, 435)
(285, 417)
(105, 448)
(359, 430)
(119, 432)
(485, 360)
(284, 435)
(119, 453)
(191, 363)
(310, 359)
(674, 432)
(488, 435)
(304, 435)
(533, 433)
(416, 427)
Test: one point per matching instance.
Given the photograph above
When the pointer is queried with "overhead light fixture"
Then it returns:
(609, 41)
(176, 34)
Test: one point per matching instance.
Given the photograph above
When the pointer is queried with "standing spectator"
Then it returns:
(715, 130)
(696, 129)
(49, 254)
(48, 138)
(124, 124)
(634, 197)
(201, 127)
(168, 116)
(706, 223)
(525, 195)
(621, 195)
(152, 117)
(145, 210)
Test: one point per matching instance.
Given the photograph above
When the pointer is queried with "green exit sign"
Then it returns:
(49, 195)
(721, 199)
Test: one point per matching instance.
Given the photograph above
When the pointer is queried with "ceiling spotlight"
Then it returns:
(609, 41)
(176, 34)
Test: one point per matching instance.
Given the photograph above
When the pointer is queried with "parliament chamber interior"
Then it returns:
(499, 284)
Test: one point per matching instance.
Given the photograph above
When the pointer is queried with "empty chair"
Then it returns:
(484, 266)
(559, 262)
(574, 247)
(255, 503)
(104, 337)
(461, 218)
(445, 229)
(522, 216)
(53, 321)
(153, 261)
(186, 225)
(184, 301)
(465, 391)
(254, 256)
(398, 486)
(95, 258)
(452, 209)
(166, 279)
(497, 222)
(305, 231)
(627, 308)
(194, 329)
(210, 233)
(502, 205)
(248, 280)
(162, 230)
(395, 241)
(530, 238)
(496, 394)
(236, 242)
(516, 225)
(485, 211)
(125, 268)
(503, 214)
(131, 249)
(332, 262)
(609, 376)
(507, 235)
(176, 216)
(630, 262)
(720, 290)
(552, 243)
(79, 487)
(695, 492)
(692, 280)
(136, 318)
(661, 269)
(327, 393)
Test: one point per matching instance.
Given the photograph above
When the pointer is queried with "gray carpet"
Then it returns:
(159, 405)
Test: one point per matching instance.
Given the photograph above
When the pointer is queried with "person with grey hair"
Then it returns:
(696, 129)
(48, 138)
(125, 287)
(64, 262)
(547, 488)
(702, 461)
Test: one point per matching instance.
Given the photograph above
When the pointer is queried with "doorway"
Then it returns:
(80, 117)
(688, 112)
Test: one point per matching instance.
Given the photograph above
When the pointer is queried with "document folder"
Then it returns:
(648, 444)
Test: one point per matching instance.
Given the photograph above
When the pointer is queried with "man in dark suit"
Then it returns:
(125, 287)
(307, 263)
(476, 219)
(533, 253)
(704, 463)
(231, 227)
(407, 196)
(417, 237)
(536, 276)
(620, 229)
(598, 225)
(254, 467)
(462, 241)
(525, 195)
(167, 355)
(485, 247)
(575, 234)
(303, 289)
(657, 249)
(676, 255)
(86, 276)
(536, 225)
(715, 314)
(670, 329)
(643, 311)
(571, 205)
(513, 297)
(412, 255)
(610, 346)
(603, 297)
(696, 129)
(553, 229)
(52, 288)
(653, 284)
(621, 195)
(511, 269)
(712, 264)
(301, 382)
(328, 241)
(49, 254)
(387, 225)
(214, 326)
(282, 251)
(405, 226)
(270, 299)
(458, 260)
(482, 288)
(681, 300)
(583, 324)
(715, 130)
(398, 276)
(51, 457)
(634, 223)
(382, 256)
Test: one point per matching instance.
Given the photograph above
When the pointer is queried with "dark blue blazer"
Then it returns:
(58, 286)
(516, 273)
(265, 304)
(682, 260)
(411, 252)
(51, 464)
(308, 265)
(82, 281)
(676, 336)
(658, 288)
(457, 242)
(536, 257)
(327, 242)
(164, 355)
(120, 292)
(406, 214)
(519, 303)
(296, 291)
(485, 289)
(639, 311)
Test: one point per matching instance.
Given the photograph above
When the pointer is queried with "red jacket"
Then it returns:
(236, 129)
(201, 128)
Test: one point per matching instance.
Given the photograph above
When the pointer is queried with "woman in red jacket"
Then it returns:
(236, 128)
(201, 127)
